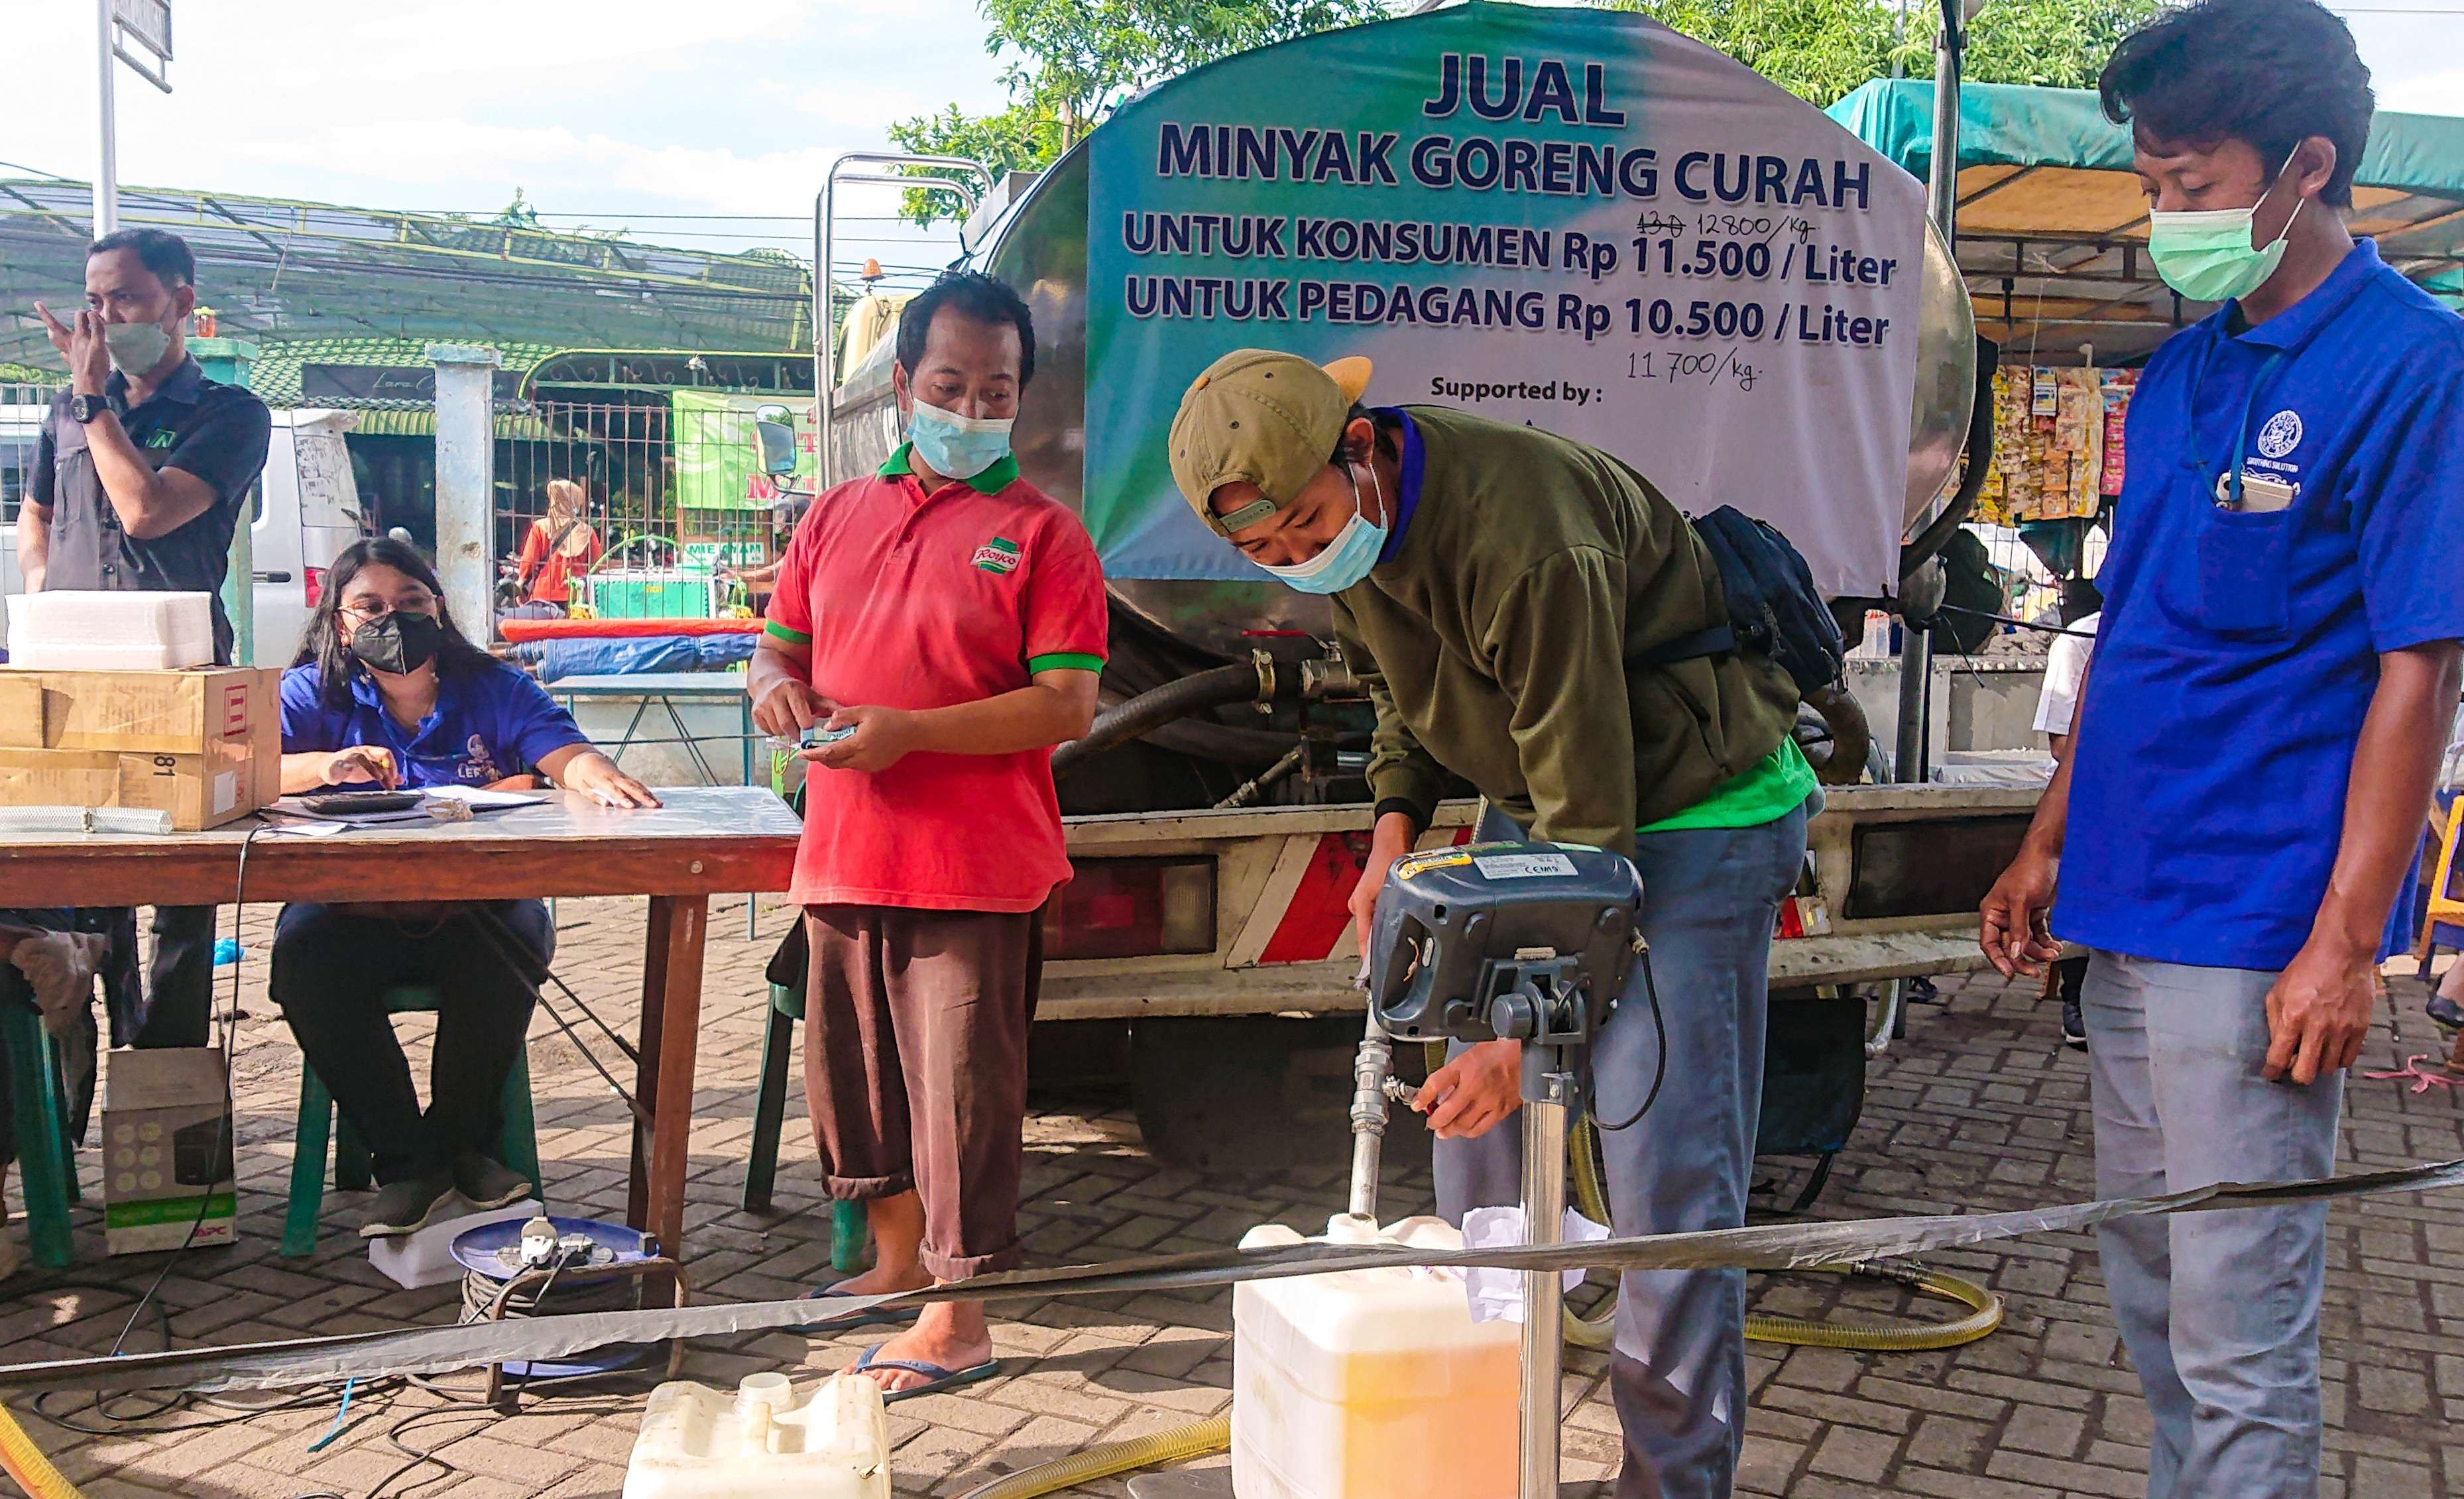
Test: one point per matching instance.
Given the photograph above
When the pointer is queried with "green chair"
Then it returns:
(516, 1146)
(38, 1093)
(848, 1227)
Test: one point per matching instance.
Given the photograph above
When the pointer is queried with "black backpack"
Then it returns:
(1775, 611)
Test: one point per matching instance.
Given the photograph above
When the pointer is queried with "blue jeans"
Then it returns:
(2227, 1353)
(1677, 1376)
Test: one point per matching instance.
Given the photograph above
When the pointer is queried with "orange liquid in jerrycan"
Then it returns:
(1369, 1384)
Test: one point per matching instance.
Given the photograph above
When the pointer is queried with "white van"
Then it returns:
(306, 508)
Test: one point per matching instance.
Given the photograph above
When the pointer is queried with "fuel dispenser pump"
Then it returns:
(1513, 942)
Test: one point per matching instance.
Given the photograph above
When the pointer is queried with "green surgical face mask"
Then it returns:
(2207, 256)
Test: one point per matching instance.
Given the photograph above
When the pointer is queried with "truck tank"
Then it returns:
(1040, 247)
(1167, 631)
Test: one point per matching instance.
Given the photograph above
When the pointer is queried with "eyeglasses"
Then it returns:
(370, 613)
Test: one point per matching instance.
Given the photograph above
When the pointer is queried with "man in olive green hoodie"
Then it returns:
(1509, 599)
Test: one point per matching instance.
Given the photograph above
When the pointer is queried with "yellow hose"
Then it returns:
(24, 1462)
(1591, 1195)
(1178, 1444)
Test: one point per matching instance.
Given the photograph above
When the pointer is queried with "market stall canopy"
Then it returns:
(2053, 226)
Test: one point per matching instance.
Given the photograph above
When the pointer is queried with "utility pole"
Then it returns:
(147, 24)
(106, 172)
(1914, 760)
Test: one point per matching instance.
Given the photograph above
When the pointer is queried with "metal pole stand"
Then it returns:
(1549, 1084)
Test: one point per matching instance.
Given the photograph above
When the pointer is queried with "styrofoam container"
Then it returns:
(96, 631)
(698, 1443)
(1370, 1384)
(426, 1259)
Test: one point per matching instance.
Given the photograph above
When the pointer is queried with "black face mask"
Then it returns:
(397, 644)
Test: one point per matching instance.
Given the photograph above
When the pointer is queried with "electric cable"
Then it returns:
(1659, 1064)
(507, 949)
(101, 1405)
(2010, 619)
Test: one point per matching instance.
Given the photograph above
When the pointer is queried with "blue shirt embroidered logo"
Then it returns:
(2281, 435)
(2239, 645)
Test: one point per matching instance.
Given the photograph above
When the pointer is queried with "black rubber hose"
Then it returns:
(1237, 683)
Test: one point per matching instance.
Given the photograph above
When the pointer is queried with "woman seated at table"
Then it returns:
(387, 694)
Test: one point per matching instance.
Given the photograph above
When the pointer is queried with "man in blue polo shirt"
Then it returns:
(2261, 721)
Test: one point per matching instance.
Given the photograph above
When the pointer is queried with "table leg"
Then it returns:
(646, 1065)
(752, 898)
(677, 951)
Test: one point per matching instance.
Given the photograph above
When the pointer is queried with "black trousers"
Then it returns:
(180, 981)
(332, 970)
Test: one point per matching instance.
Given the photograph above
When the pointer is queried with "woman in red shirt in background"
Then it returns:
(560, 544)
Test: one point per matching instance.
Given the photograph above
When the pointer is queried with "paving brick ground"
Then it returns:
(1977, 1108)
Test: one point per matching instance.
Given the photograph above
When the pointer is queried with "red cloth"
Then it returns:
(567, 629)
(547, 567)
(912, 601)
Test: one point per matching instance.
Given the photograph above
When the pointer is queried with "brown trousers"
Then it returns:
(916, 1067)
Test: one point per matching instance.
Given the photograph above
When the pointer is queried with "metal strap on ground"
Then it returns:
(1766, 1247)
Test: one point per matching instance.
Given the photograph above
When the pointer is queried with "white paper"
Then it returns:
(226, 791)
(482, 799)
(1496, 1295)
(303, 827)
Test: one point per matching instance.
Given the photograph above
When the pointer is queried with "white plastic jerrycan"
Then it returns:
(698, 1443)
(1369, 1384)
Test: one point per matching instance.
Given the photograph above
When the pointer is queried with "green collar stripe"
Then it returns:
(992, 481)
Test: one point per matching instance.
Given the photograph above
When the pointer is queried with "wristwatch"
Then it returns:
(83, 409)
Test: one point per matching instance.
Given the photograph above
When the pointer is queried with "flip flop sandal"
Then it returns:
(937, 1377)
(896, 1317)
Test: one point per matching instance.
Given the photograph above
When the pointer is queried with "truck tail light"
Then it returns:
(1132, 909)
(312, 585)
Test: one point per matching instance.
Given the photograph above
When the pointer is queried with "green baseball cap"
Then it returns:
(1265, 418)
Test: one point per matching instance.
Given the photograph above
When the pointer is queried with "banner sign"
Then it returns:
(717, 455)
(1578, 220)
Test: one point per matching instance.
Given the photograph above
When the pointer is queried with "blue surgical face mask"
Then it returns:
(1346, 560)
(956, 446)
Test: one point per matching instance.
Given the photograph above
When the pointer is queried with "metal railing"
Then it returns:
(667, 484)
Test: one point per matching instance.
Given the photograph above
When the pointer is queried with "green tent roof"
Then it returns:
(2051, 222)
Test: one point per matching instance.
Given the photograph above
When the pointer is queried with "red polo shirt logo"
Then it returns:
(999, 555)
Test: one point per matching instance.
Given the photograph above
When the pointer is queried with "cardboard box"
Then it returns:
(204, 745)
(166, 1150)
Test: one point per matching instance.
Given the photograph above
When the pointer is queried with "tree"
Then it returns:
(1072, 59)
(1821, 49)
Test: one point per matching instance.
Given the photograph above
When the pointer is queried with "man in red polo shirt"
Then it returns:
(952, 616)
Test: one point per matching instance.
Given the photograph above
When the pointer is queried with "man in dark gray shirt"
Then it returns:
(141, 475)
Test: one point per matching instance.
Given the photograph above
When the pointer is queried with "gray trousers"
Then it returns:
(1678, 1375)
(2228, 1354)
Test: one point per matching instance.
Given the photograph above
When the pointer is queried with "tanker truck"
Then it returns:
(1574, 218)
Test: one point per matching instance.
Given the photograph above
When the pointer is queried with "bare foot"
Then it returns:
(882, 1280)
(951, 1335)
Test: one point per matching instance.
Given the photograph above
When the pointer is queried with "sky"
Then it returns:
(603, 112)
(647, 113)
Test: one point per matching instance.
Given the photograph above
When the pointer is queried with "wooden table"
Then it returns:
(703, 841)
